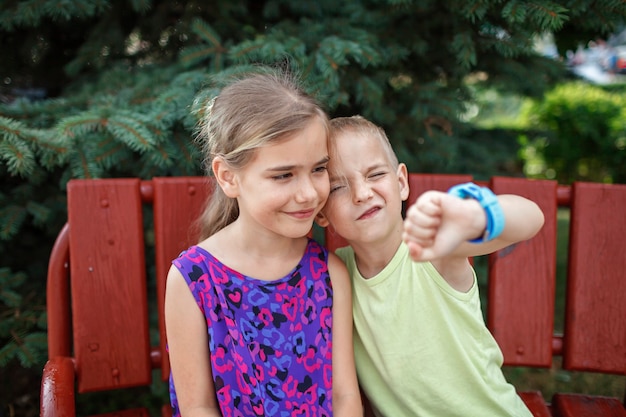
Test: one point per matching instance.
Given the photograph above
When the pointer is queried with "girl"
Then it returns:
(258, 316)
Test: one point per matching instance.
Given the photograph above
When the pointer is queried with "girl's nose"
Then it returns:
(306, 190)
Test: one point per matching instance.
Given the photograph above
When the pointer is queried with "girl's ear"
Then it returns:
(321, 219)
(225, 176)
(403, 181)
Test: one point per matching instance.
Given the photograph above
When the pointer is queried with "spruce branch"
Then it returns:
(83, 164)
(463, 47)
(9, 283)
(80, 125)
(109, 152)
(514, 11)
(369, 92)
(141, 6)
(196, 54)
(130, 131)
(11, 219)
(206, 33)
(210, 48)
(40, 213)
(18, 157)
(67, 10)
(549, 15)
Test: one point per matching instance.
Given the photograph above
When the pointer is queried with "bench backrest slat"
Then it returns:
(108, 284)
(595, 330)
(178, 201)
(419, 183)
(522, 282)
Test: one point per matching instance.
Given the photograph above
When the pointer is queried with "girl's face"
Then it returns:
(367, 190)
(286, 184)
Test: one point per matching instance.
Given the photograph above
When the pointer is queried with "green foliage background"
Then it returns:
(579, 133)
(111, 88)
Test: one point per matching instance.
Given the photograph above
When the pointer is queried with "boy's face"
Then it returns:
(366, 190)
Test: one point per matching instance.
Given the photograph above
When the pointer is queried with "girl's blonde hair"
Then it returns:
(254, 111)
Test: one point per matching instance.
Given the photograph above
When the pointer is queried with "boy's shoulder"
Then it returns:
(346, 254)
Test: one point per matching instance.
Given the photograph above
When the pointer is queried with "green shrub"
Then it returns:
(579, 134)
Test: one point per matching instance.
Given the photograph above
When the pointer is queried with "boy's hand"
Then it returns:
(438, 223)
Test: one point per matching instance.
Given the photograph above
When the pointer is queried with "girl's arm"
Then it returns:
(189, 355)
(346, 395)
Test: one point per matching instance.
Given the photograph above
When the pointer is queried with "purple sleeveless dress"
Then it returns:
(270, 341)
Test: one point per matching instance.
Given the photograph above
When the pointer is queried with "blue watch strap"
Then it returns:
(489, 202)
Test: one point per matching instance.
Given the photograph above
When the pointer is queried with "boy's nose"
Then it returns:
(361, 192)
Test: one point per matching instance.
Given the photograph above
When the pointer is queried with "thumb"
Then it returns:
(446, 241)
(415, 251)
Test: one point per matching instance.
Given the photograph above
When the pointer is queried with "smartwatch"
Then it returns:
(489, 202)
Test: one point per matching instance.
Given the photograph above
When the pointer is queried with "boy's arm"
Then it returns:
(441, 225)
(523, 220)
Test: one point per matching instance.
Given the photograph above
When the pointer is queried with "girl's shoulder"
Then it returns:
(194, 257)
(314, 247)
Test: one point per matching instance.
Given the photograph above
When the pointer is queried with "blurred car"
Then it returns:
(619, 60)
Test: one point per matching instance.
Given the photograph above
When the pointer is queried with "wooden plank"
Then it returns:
(420, 183)
(522, 282)
(576, 405)
(178, 202)
(332, 240)
(535, 403)
(108, 284)
(595, 325)
(58, 296)
(166, 411)
(57, 388)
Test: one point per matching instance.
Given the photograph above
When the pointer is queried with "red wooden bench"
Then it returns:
(122, 234)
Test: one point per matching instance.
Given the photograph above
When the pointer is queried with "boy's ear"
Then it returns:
(321, 220)
(225, 176)
(403, 181)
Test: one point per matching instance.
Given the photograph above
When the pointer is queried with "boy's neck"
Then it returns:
(372, 258)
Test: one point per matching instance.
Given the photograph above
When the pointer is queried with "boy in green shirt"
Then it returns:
(421, 345)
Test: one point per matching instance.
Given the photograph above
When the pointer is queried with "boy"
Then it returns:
(421, 345)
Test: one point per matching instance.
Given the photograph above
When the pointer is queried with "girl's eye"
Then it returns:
(321, 168)
(377, 174)
(336, 187)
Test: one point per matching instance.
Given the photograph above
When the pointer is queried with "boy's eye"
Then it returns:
(282, 176)
(377, 174)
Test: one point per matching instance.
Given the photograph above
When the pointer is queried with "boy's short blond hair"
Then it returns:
(361, 126)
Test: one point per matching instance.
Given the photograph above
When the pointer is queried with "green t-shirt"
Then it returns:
(422, 347)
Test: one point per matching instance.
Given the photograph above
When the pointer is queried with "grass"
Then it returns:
(555, 379)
